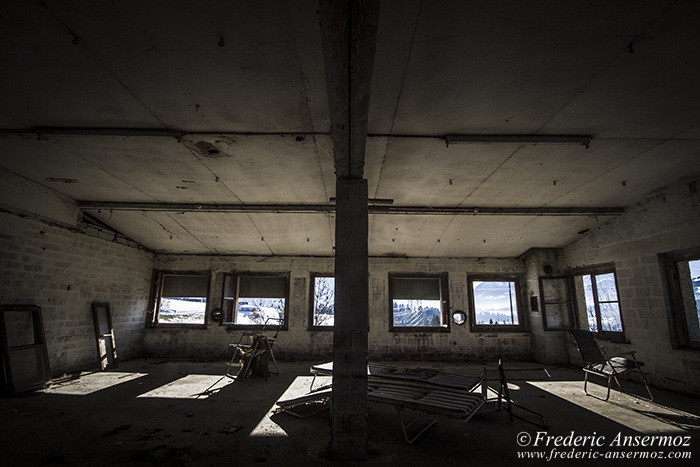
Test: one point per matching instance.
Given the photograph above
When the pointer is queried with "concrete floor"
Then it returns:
(183, 413)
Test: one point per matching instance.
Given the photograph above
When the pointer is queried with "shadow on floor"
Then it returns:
(184, 412)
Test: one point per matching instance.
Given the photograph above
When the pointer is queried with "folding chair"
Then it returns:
(257, 344)
(597, 363)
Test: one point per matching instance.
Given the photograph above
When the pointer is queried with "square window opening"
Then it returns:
(495, 303)
(181, 298)
(255, 299)
(418, 302)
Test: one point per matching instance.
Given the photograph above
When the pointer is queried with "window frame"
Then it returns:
(519, 303)
(445, 315)
(157, 282)
(312, 295)
(615, 336)
(675, 311)
(571, 302)
(232, 325)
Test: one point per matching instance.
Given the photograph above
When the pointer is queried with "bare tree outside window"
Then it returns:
(259, 310)
(601, 302)
(324, 301)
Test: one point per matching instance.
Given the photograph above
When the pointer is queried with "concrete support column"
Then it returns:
(349, 405)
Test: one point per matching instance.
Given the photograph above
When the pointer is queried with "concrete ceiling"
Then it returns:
(255, 121)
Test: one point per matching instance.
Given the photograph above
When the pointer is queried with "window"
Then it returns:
(681, 275)
(418, 302)
(322, 301)
(596, 293)
(180, 298)
(557, 307)
(495, 303)
(255, 299)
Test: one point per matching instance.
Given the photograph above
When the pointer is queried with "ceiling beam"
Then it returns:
(349, 36)
(373, 209)
(472, 138)
(140, 132)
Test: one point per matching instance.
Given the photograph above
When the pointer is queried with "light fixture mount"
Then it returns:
(584, 140)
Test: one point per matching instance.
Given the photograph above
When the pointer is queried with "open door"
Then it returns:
(104, 333)
(25, 362)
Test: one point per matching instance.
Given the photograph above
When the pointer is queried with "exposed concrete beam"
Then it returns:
(140, 132)
(472, 138)
(373, 209)
(349, 33)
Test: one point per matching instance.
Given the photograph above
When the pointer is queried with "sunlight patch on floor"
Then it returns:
(300, 386)
(89, 382)
(638, 415)
(190, 387)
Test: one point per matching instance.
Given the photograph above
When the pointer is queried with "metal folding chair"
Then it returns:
(597, 363)
(253, 344)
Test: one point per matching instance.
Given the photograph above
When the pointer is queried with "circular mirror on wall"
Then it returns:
(459, 317)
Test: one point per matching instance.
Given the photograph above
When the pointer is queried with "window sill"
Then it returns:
(251, 327)
(321, 328)
(420, 329)
(177, 326)
(497, 329)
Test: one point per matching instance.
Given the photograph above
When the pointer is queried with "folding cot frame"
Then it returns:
(421, 390)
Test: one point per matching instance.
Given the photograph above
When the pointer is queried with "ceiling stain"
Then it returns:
(205, 149)
(61, 180)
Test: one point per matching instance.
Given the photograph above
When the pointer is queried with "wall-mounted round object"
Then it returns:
(459, 317)
(547, 268)
(216, 314)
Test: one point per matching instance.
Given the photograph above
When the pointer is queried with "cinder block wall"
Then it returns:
(663, 223)
(299, 342)
(64, 273)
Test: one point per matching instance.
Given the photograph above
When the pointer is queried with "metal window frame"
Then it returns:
(522, 325)
(594, 271)
(98, 335)
(232, 325)
(675, 311)
(157, 282)
(573, 317)
(312, 298)
(8, 384)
